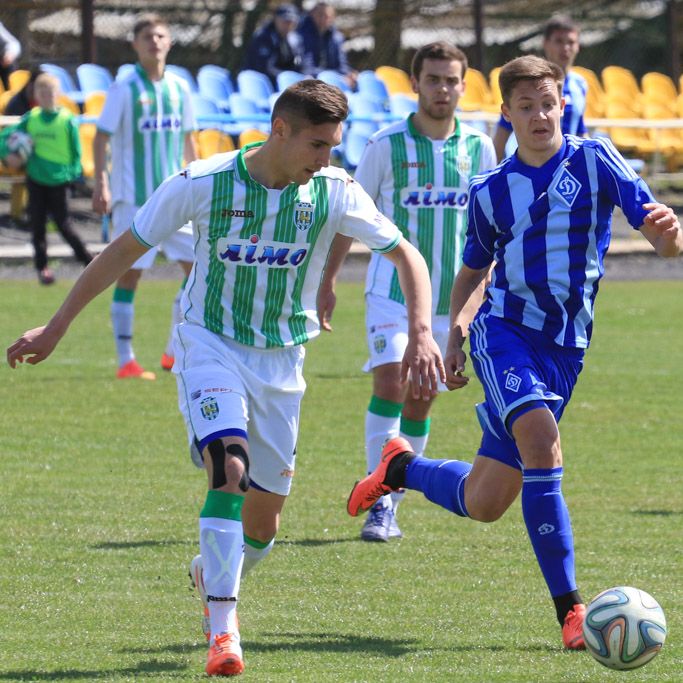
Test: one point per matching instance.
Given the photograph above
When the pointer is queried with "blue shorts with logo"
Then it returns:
(520, 369)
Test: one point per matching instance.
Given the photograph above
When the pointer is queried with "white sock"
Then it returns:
(122, 317)
(418, 444)
(396, 498)
(176, 319)
(252, 556)
(378, 430)
(221, 543)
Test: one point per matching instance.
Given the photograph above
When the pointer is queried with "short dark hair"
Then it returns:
(559, 22)
(311, 101)
(148, 19)
(527, 68)
(440, 49)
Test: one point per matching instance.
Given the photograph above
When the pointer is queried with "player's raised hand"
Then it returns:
(662, 229)
(33, 347)
(661, 217)
(455, 366)
(423, 365)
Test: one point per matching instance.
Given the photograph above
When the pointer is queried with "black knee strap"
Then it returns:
(217, 451)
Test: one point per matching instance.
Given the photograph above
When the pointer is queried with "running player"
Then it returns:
(543, 219)
(147, 118)
(417, 171)
(560, 46)
(264, 219)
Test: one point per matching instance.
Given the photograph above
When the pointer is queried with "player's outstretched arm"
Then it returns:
(662, 229)
(422, 359)
(36, 345)
(327, 298)
(466, 297)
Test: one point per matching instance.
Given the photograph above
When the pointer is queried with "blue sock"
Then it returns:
(549, 528)
(441, 481)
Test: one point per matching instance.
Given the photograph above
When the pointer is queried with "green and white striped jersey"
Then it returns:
(422, 186)
(259, 253)
(147, 121)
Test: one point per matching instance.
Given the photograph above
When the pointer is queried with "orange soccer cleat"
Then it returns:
(167, 362)
(368, 491)
(572, 630)
(133, 369)
(225, 656)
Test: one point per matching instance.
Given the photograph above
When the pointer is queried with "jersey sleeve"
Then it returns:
(363, 220)
(487, 159)
(112, 111)
(168, 209)
(625, 187)
(481, 235)
(370, 167)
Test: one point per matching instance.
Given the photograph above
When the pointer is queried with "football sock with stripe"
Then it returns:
(221, 543)
(122, 313)
(550, 530)
(176, 317)
(255, 552)
(441, 481)
(382, 421)
(416, 433)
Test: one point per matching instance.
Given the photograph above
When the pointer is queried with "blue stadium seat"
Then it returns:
(370, 112)
(401, 105)
(124, 70)
(216, 85)
(66, 82)
(203, 106)
(255, 86)
(373, 88)
(287, 78)
(93, 78)
(353, 147)
(334, 78)
(251, 114)
(185, 74)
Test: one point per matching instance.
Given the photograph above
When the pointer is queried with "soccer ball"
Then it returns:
(20, 143)
(624, 627)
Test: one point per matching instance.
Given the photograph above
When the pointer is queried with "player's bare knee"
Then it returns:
(229, 464)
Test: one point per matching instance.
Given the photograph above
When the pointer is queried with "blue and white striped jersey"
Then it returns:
(574, 92)
(547, 230)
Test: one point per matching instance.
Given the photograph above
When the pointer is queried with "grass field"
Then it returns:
(99, 508)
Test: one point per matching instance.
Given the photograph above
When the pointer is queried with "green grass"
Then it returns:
(99, 509)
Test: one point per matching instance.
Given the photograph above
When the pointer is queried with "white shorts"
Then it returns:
(228, 389)
(386, 323)
(178, 247)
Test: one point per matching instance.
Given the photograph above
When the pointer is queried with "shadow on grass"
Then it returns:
(315, 542)
(143, 668)
(658, 513)
(333, 642)
(126, 545)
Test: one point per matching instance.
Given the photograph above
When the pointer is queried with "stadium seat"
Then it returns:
(66, 83)
(86, 133)
(18, 79)
(255, 86)
(124, 70)
(396, 80)
(370, 87)
(249, 114)
(93, 78)
(621, 85)
(287, 78)
(366, 115)
(334, 78)
(185, 74)
(211, 141)
(353, 147)
(94, 103)
(215, 83)
(5, 97)
(628, 139)
(668, 141)
(202, 107)
(66, 102)
(401, 105)
(595, 97)
(250, 135)
(477, 95)
(660, 88)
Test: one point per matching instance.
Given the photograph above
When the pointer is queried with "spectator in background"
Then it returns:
(276, 46)
(24, 100)
(323, 43)
(560, 46)
(10, 49)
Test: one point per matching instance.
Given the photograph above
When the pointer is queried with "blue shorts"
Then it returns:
(520, 369)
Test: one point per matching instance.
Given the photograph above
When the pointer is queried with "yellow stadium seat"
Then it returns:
(5, 97)
(94, 103)
(659, 87)
(595, 97)
(251, 135)
(396, 80)
(628, 139)
(86, 133)
(69, 104)
(620, 83)
(668, 141)
(494, 86)
(210, 141)
(477, 95)
(18, 79)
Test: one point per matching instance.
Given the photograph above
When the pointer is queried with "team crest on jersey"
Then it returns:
(209, 408)
(567, 187)
(464, 165)
(303, 215)
(380, 343)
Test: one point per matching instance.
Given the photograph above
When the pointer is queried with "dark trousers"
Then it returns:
(5, 71)
(52, 200)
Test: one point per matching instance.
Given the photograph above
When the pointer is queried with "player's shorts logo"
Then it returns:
(567, 187)
(209, 408)
(303, 215)
(512, 382)
(380, 343)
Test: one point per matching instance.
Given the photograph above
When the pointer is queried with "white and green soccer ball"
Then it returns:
(624, 627)
(20, 143)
